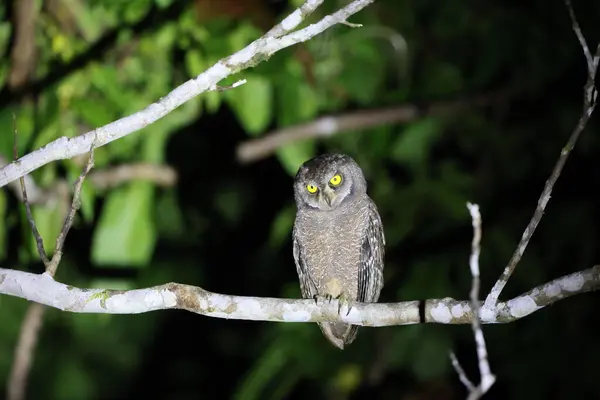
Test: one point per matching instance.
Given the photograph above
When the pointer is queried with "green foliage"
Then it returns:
(413, 145)
(3, 225)
(252, 103)
(126, 234)
(227, 227)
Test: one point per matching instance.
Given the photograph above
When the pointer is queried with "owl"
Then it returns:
(338, 238)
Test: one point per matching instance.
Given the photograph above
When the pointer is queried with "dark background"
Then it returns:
(226, 226)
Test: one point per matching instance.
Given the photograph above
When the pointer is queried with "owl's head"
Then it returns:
(327, 181)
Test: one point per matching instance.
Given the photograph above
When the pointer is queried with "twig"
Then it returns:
(247, 57)
(351, 25)
(462, 375)
(589, 103)
(36, 234)
(582, 42)
(487, 378)
(75, 205)
(255, 149)
(228, 87)
(42, 288)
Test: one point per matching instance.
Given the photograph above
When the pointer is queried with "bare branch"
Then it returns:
(107, 178)
(462, 375)
(75, 205)
(42, 288)
(228, 87)
(251, 55)
(23, 357)
(577, 29)
(23, 53)
(589, 103)
(36, 234)
(258, 148)
(487, 378)
(161, 175)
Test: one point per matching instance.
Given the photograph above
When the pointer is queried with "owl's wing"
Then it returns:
(370, 274)
(307, 287)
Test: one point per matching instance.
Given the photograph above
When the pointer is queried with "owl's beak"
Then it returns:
(329, 196)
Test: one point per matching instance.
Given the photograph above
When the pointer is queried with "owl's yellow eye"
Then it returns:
(336, 180)
(312, 189)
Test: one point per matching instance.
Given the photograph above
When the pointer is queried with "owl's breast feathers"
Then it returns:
(332, 242)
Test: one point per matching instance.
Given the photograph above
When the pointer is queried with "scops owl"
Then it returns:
(338, 237)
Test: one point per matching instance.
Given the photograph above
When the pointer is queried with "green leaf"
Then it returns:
(3, 227)
(126, 235)
(195, 62)
(25, 129)
(413, 145)
(293, 155)
(282, 226)
(264, 371)
(71, 381)
(442, 79)
(212, 101)
(298, 101)
(87, 197)
(170, 221)
(49, 220)
(93, 112)
(252, 103)
(431, 359)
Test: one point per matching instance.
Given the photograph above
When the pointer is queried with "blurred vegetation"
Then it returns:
(226, 227)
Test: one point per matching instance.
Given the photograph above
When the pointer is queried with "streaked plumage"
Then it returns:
(338, 237)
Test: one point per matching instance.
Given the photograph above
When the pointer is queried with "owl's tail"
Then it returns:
(339, 335)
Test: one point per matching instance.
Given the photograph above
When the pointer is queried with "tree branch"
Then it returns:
(487, 378)
(107, 178)
(255, 149)
(42, 288)
(589, 103)
(161, 175)
(251, 55)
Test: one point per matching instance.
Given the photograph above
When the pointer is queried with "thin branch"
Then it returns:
(589, 103)
(487, 378)
(75, 205)
(42, 288)
(229, 87)
(23, 356)
(107, 178)
(462, 375)
(161, 175)
(577, 29)
(23, 53)
(36, 234)
(255, 149)
(249, 56)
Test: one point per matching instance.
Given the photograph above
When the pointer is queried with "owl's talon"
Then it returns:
(343, 301)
